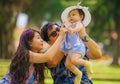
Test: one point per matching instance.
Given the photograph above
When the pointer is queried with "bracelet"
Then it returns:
(86, 38)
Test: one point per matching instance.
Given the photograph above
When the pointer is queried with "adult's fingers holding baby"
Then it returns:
(82, 32)
(63, 25)
(62, 31)
(70, 31)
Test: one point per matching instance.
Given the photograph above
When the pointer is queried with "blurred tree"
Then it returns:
(38, 11)
(8, 13)
(105, 20)
(105, 23)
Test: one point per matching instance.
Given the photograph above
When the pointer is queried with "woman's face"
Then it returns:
(37, 43)
(74, 16)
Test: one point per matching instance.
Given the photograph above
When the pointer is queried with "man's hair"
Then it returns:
(45, 29)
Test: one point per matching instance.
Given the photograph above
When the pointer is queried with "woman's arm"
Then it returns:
(51, 52)
(56, 59)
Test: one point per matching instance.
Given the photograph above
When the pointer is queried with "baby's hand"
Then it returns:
(79, 26)
(70, 31)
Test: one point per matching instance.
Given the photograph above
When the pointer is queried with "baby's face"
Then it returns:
(74, 16)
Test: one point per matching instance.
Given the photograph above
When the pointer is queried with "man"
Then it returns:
(61, 75)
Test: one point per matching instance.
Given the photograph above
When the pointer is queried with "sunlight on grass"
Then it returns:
(48, 81)
(101, 71)
(4, 65)
(106, 71)
(105, 82)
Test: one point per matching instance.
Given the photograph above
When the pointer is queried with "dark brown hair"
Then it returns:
(19, 67)
(81, 12)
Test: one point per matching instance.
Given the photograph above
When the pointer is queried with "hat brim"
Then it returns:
(87, 18)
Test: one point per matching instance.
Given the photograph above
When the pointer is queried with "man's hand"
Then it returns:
(82, 32)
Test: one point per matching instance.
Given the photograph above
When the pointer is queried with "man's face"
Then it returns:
(53, 34)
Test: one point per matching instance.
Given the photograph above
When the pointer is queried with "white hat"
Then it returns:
(86, 20)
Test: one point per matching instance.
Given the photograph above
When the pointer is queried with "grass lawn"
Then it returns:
(103, 74)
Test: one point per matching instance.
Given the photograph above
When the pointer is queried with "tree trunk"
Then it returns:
(6, 37)
(116, 52)
(7, 23)
(116, 43)
(7, 26)
(7, 42)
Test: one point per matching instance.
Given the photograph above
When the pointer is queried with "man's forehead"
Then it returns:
(54, 26)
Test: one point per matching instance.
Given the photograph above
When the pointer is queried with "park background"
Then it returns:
(104, 28)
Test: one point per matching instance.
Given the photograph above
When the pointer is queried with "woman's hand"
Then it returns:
(62, 30)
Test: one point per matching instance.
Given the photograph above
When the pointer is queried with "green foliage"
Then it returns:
(105, 17)
(40, 11)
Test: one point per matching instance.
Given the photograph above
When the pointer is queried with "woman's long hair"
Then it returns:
(19, 67)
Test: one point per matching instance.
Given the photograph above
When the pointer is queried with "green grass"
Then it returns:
(103, 73)
(106, 71)
(106, 82)
(4, 65)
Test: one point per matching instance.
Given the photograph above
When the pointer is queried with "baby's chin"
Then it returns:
(73, 21)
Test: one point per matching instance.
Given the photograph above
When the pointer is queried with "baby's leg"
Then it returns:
(88, 69)
(76, 59)
(74, 70)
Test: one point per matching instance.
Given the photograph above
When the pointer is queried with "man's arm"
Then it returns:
(93, 51)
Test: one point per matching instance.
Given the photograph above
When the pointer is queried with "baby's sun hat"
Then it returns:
(86, 20)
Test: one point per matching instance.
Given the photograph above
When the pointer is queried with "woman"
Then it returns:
(27, 65)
